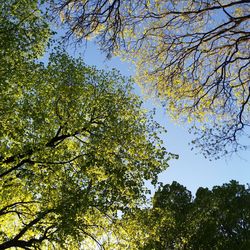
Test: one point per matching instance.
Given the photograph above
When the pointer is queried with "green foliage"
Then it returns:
(214, 219)
(76, 147)
(221, 217)
(24, 31)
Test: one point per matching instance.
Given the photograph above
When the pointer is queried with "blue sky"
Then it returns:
(191, 169)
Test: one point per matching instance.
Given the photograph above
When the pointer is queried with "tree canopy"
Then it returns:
(192, 55)
(75, 149)
(75, 145)
(214, 219)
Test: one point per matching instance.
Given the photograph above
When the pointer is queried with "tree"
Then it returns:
(214, 219)
(76, 147)
(192, 55)
(221, 217)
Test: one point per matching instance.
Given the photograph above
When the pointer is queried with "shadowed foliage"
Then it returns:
(214, 219)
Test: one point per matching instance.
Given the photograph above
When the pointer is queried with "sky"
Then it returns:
(191, 169)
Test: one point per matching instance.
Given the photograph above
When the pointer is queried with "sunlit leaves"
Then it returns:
(76, 147)
(192, 55)
(79, 145)
(24, 30)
